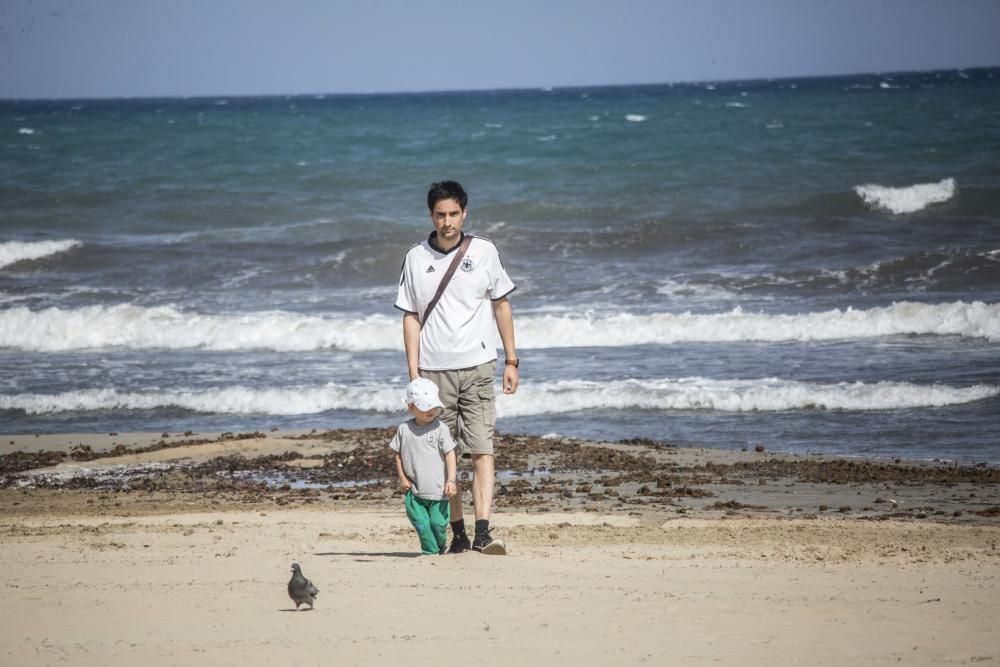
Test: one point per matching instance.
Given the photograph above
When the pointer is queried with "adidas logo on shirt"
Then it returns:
(430, 269)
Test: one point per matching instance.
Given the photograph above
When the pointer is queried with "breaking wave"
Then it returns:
(909, 199)
(230, 400)
(764, 395)
(13, 252)
(694, 393)
(165, 327)
(974, 320)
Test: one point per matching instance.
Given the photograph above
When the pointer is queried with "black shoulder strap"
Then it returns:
(466, 242)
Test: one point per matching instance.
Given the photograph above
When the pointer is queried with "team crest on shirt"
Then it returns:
(467, 265)
(432, 439)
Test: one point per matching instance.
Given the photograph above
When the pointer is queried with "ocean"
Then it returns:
(811, 265)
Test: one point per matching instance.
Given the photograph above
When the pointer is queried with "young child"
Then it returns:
(425, 463)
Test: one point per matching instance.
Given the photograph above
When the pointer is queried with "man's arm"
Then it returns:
(505, 325)
(411, 342)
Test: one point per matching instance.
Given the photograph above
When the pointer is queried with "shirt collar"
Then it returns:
(432, 242)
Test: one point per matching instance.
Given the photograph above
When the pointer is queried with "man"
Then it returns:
(455, 347)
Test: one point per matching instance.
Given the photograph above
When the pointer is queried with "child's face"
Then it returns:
(423, 416)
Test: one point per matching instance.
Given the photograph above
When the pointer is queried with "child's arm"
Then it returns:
(450, 485)
(404, 481)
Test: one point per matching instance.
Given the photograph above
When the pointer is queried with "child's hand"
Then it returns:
(405, 483)
(450, 489)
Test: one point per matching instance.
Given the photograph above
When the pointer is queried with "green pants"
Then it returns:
(430, 518)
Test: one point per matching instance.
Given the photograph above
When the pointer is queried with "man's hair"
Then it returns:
(446, 190)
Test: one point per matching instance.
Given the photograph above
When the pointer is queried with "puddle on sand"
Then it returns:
(275, 479)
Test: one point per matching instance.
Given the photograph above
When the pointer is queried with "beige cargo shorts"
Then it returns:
(470, 410)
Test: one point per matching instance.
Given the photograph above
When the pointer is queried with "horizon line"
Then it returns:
(554, 88)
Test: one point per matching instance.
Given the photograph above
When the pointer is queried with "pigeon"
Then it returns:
(300, 589)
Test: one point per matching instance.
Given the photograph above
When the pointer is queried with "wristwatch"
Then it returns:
(514, 363)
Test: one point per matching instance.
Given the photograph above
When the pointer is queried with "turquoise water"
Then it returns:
(812, 264)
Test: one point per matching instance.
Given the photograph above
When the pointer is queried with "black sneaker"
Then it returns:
(485, 544)
(459, 543)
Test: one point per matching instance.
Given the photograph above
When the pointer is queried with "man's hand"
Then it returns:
(505, 326)
(510, 379)
(450, 488)
(405, 483)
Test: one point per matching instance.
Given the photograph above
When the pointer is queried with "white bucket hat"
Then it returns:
(423, 394)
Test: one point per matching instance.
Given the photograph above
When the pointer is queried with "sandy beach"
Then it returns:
(175, 548)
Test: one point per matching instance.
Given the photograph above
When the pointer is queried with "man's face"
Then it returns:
(448, 218)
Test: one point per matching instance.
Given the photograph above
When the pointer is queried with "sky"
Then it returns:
(153, 48)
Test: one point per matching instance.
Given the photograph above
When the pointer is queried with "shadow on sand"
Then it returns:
(364, 555)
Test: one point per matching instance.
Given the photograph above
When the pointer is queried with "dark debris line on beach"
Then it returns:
(537, 474)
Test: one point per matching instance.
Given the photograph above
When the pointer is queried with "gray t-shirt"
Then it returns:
(422, 450)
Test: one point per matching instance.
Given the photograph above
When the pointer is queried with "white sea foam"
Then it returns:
(230, 400)
(12, 252)
(975, 320)
(700, 291)
(165, 327)
(909, 199)
(765, 395)
(25, 130)
(736, 105)
(692, 393)
(635, 118)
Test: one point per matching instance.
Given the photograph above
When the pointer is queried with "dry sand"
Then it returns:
(192, 570)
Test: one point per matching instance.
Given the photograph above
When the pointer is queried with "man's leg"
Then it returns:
(456, 504)
(477, 408)
(482, 485)
(482, 497)
(448, 389)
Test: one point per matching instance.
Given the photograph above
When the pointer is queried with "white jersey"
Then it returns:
(460, 332)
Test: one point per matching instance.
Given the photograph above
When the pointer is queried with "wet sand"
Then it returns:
(175, 548)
